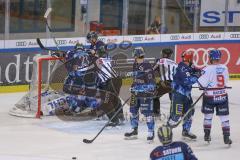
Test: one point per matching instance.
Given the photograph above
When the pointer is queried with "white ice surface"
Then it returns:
(52, 139)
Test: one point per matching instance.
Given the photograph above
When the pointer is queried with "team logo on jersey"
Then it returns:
(220, 70)
(179, 109)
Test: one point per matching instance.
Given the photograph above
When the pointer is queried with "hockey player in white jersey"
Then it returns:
(215, 76)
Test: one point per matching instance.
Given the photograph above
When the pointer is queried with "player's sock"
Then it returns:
(150, 136)
(226, 129)
(207, 125)
(150, 125)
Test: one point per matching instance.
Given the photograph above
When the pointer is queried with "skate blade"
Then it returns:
(150, 141)
(207, 142)
(189, 139)
(131, 138)
(229, 144)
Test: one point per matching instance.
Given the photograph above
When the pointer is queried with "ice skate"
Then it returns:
(189, 135)
(150, 137)
(207, 136)
(131, 135)
(227, 140)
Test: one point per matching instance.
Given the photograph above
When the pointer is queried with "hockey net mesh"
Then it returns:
(30, 105)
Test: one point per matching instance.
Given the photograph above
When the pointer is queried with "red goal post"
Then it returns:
(30, 105)
(39, 64)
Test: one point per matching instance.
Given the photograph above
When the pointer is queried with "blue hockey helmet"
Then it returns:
(215, 54)
(165, 134)
(138, 52)
(92, 35)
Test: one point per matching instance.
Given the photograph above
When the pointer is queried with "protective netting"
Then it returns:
(27, 106)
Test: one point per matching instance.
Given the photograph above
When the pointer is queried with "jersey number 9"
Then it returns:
(220, 81)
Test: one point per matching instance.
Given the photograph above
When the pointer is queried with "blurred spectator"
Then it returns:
(156, 27)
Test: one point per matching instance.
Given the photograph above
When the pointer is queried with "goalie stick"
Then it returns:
(88, 141)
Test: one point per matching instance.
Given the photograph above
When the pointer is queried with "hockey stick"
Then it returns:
(115, 114)
(200, 88)
(193, 105)
(43, 47)
(186, 114)
(49, 10)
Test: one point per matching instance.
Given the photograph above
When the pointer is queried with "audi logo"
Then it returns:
(21, 43)
(234, 35)
(62, 42)
(175, 37)
(203, 36)
(137, 39)
(102, 39)
(204, 52)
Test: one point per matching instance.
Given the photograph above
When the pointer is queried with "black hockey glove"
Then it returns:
(59, 54)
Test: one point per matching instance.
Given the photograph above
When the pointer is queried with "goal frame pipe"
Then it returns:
(39, 79)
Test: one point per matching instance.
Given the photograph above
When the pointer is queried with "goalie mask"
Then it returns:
(165, 134)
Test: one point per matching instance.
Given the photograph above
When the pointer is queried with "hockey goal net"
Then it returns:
(33, 104)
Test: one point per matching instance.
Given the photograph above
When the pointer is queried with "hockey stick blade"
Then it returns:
(116, 113)
(49, 10)
(87, 141)
(44, 48)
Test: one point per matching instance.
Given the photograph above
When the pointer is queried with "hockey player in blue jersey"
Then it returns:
(183, 79)
(171, 150)
(97, 47)
(143, 90)
(77, 63)
(215, 76)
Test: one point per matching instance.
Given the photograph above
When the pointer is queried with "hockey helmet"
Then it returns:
(165, 134)
(166, 52)
(79, 46)
(187, 56)
(92, 35)
(215, 54)
(138, 52)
